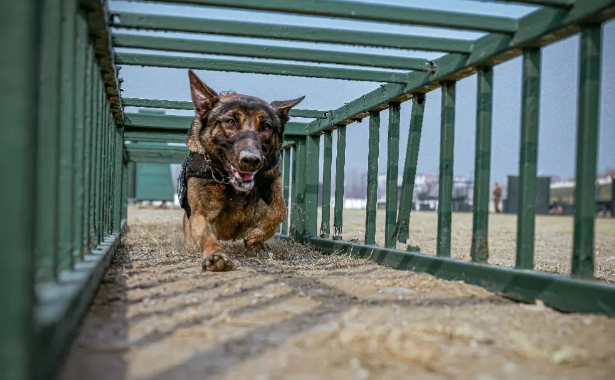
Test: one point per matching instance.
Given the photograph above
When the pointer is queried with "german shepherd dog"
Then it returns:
(230, 185)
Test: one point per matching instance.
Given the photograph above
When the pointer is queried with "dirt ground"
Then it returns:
(295, 314)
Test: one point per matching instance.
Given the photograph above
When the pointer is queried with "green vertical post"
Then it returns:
(79, 141)
(587, 154)
(132, 180)
(293, 194)
(526, 212)
(325, 225)
(46, 234)
(125, 174)
(117, 183)
(372, 178)
(104, 210)
(445, 187)
(286, 188)
(311, 186)
(19, 80)
(93, 156)
(410, 164)
(482, 166)
(87, 148)
(98, 142)
(107, 176)
(66, 139)
(392, 173)
(340, 165)
(300, 183)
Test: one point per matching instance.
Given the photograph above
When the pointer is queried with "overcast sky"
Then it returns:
(559, 82)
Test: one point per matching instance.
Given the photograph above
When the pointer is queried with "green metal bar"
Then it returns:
(125, 174)
(286, 188)
(270, 52)
(98, 143)
(560, 292)
(292, 230)
(79, 135)
(445, 183)
(185, 105)
(587, 154)
(301, 183)
(372, 178)
(546, 3)
(488, 50)
(155, 137)
(392, 173)
(19, 77)
(87, 151)
(340, 166)
(66, 137)
(325, 225)
(95, 145)
(287, 32)
(482, 166)
(46, 235)
(371, 12)
(249, 66)
(410, 164)
(180, 124)
(132, 180)
(104, 173)
(528, 158)
(311, 186)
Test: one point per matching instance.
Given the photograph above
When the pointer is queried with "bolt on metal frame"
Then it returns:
(73, 150)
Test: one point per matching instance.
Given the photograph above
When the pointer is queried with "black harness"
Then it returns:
(197, 166)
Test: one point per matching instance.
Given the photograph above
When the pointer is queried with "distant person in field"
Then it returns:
(497, 195)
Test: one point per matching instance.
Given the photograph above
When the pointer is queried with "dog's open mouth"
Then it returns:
(242, 181)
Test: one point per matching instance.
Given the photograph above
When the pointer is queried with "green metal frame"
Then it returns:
(74, 150)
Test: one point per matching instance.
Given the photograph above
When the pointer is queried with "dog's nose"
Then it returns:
(249, 159)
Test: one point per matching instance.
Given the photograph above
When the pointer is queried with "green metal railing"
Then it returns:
(62, 150)
(69, 150)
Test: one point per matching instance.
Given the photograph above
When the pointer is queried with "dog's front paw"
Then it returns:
(217, 262)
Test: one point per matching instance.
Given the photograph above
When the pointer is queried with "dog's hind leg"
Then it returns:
(190, 242)
(214, 259)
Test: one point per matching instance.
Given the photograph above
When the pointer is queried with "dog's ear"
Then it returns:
(203, 97)
(283, 106)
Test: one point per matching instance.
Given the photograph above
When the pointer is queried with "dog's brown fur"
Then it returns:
(225, 126)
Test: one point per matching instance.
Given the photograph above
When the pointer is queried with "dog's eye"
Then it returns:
(266, 127)
(231, 123)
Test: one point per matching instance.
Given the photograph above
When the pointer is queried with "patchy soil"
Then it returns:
(299, 315)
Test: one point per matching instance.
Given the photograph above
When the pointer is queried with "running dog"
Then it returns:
(230, 186)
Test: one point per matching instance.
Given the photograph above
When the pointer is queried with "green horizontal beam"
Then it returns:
(260, 68)
(288, 32)
(538, 28)
(155, 137)
(547, 3)
(370, 12)
(271, 52)
(186, 105)
(172, 123)
(556, 291)
(156, 153)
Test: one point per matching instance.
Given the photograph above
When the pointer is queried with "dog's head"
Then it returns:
(240, 134)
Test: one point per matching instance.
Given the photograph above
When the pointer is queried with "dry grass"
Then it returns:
(553, 244)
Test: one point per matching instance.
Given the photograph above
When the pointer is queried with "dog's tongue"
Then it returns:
(244, 176)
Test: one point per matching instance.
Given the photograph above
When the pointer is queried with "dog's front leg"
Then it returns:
(273, 215)
(203, 233)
